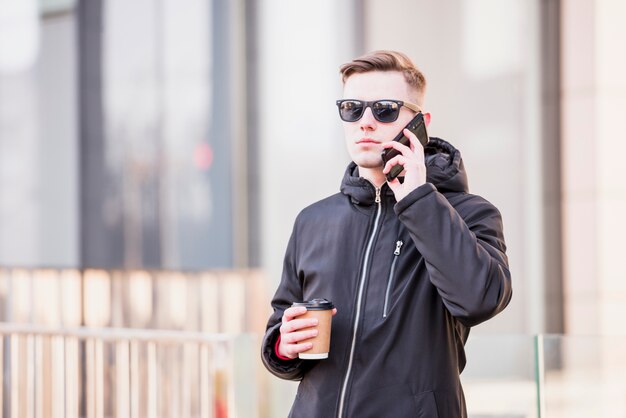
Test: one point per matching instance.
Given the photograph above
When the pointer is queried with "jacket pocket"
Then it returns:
(396, 254)
(395, 401)
(426, 405)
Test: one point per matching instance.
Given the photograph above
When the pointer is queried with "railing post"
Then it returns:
(540, 374)
(206, 389)
(122, 377)
(185, 377)
(88, 388)
(30, 377)
(153, 380)
(72, 374)
(42, 398)
(58, 377)
(244, 376)
(15, 376)
(134, 379)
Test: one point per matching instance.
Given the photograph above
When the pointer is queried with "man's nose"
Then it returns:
(367, 121)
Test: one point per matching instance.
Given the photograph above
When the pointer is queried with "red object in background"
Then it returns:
(203, 156)
(220, 409)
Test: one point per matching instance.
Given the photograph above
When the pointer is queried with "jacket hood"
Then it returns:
(444, 169)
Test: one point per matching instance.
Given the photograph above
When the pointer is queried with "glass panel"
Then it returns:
(38, 138)
(488, 97)
(584, 376)
(499, 378)
(167, 140)
(56, 6)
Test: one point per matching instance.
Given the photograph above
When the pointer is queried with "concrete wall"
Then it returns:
(482, 63)
(594, 192)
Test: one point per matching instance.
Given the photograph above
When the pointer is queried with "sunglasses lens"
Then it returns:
(383, 110)
(386, 111)
(350, 110)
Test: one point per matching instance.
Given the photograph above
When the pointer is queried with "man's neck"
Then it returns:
(373, 175)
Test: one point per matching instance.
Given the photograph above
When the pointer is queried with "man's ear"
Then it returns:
(427, 118)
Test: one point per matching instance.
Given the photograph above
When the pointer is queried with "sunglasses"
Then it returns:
(385, 111)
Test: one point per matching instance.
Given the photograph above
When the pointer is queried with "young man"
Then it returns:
(410, 264)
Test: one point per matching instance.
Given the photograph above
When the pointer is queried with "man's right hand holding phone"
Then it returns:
(412, 159)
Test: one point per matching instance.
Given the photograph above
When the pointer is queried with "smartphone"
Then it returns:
(418, 127)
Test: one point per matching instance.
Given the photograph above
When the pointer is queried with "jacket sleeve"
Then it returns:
(464, 250)
(289, 291)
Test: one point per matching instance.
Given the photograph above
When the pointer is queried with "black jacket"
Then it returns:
(408, 279)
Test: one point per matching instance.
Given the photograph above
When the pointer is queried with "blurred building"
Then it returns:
(175, 142)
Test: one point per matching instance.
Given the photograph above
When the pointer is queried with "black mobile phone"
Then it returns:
(418, 127)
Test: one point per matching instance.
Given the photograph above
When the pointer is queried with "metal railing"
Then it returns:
(92, 343)
(99, 373)
(130, 343)
(152, 373)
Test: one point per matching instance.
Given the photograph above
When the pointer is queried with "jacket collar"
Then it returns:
(360, 190)
(444, 169)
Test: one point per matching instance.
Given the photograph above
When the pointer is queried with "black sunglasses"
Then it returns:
(385, 111)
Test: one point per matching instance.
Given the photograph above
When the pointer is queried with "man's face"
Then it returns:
(364, 138)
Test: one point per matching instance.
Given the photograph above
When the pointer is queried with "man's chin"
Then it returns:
(368, 163)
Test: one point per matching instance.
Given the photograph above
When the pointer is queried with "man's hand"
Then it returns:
(294, 330)
(414, 168)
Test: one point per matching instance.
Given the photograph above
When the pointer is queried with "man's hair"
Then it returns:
(386, 61)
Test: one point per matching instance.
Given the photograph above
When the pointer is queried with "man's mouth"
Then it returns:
(367, 141)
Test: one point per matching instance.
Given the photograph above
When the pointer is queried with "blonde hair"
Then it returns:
(386, 61)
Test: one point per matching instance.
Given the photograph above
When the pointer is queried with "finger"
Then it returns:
(334, 311)
(292, 350)
(398, 159)
(395, 182)
(296, 337)
(297, 324)
(416, 145)
(293, 312)
(412, 138)
(401, 148)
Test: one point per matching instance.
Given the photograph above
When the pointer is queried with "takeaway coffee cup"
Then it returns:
(321, 309)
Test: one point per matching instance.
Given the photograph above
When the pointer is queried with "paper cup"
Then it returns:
(321, 309)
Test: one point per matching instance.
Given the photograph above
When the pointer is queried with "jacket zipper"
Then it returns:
(396, 253)
(342, 396)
